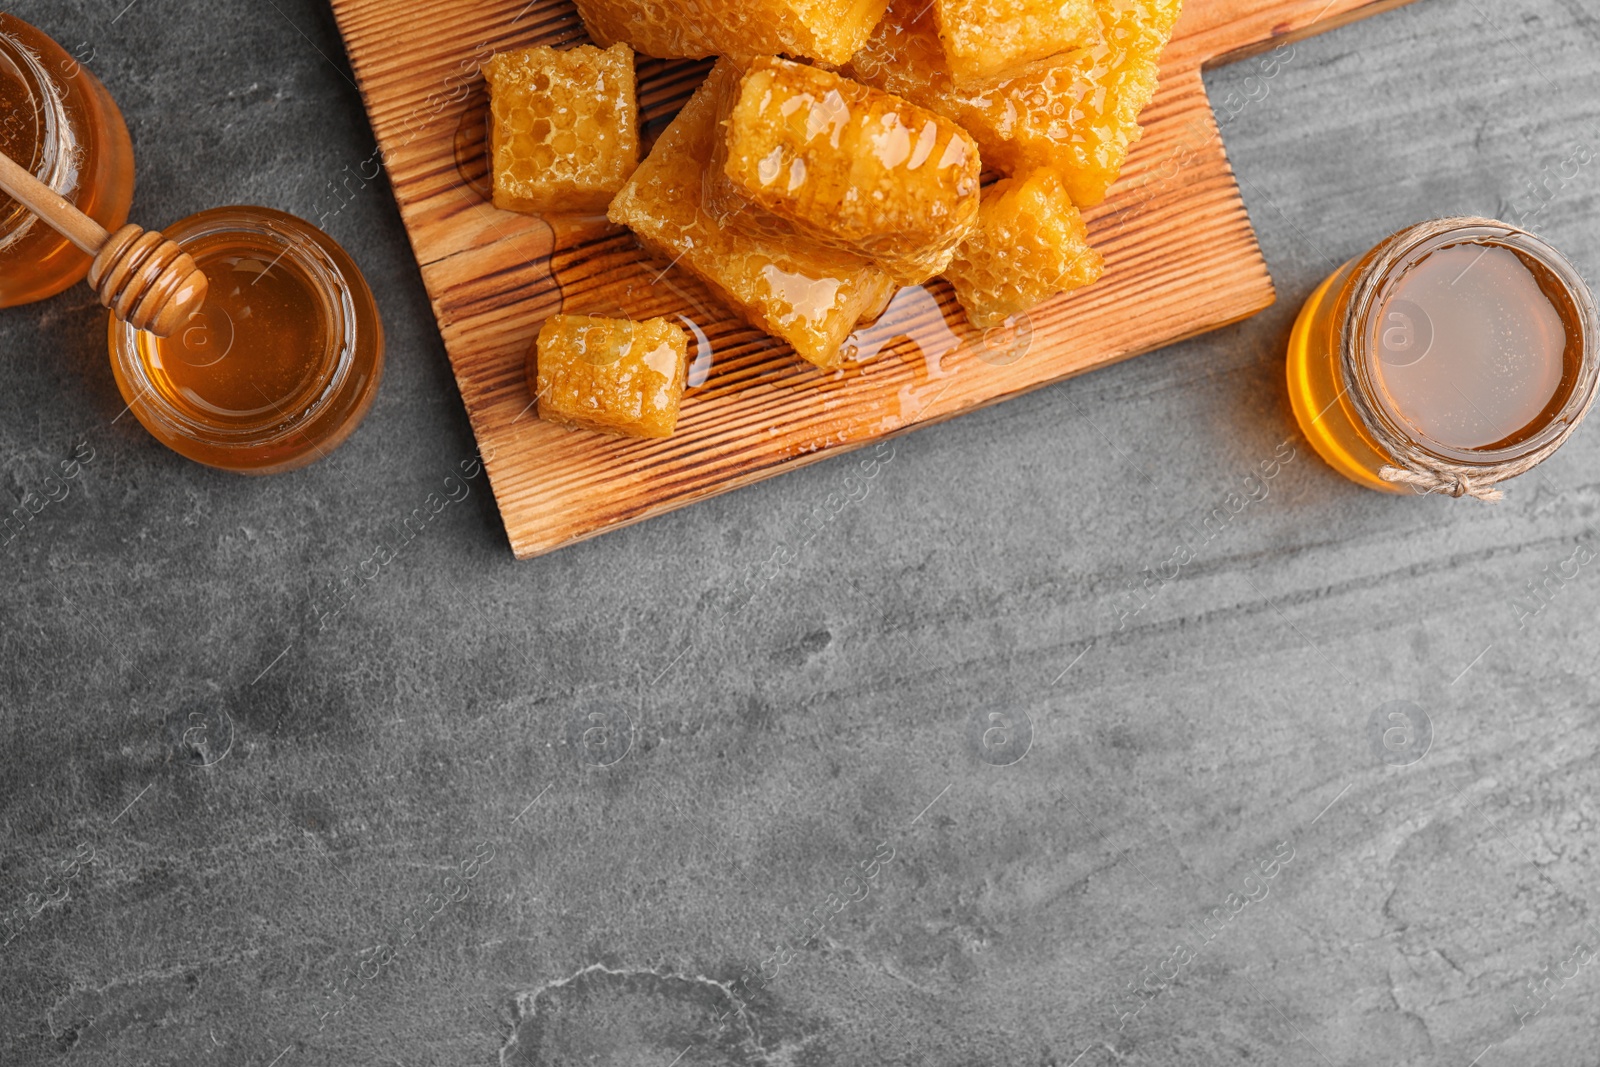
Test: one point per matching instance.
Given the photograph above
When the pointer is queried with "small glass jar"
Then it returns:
(58, 122)
(281, 363)
(1511, 332)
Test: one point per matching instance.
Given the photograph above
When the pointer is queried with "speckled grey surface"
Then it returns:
(565, 812)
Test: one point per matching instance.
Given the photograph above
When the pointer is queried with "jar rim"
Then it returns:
(305, 250)
(1369, 288)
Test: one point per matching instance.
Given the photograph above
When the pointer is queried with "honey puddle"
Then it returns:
(914, 315)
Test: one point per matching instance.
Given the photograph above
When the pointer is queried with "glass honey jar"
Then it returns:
(1456, 354)
(59, 123)
(280, 364)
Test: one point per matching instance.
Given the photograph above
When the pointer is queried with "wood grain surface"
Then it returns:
(1181, 259)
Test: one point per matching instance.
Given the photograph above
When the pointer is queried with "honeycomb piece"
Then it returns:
(611, 375)
(809, 296)
(826, 30)
(1030, 244)
(564, 127)
(1076, 113)
(985, 39)
(849, 167)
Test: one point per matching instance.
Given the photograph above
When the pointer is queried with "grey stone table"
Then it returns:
(653, 799)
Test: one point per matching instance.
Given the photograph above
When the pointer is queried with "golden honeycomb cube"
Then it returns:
(612, 375)
(985, 39)
(564, 127)
(1077, 114)
(850, 167)
(807, 295)
(829, 32)
(1030, 244)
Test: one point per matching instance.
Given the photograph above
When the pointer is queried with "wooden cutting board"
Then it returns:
(1181, 259)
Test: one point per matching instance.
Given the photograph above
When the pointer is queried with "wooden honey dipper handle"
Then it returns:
(145, 279)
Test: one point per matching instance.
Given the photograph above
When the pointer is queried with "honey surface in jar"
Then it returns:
(564, 131)
(811, 297)
(257, 346)
(825, 30)
(851, 166)
(1076, 114)
(611, 375)
(20, 127)
(1030, 244)
(1474, 345)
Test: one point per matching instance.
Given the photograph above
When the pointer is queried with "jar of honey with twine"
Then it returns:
(1458, 353)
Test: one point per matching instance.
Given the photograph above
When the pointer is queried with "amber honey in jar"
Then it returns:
(58, 122)
(280, 364)
(1456, 354)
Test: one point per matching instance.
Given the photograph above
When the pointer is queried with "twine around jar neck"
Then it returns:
(1409, 462)
(1452, 480)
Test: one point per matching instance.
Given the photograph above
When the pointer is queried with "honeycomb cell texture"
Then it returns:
(611, 375)
(848, 166)
(986, 39)
(810, 296)
(1076, 113)
(1030, 244)
(564, 127)
(826, 30)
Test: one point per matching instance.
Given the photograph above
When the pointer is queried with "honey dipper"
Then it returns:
(145, 279)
